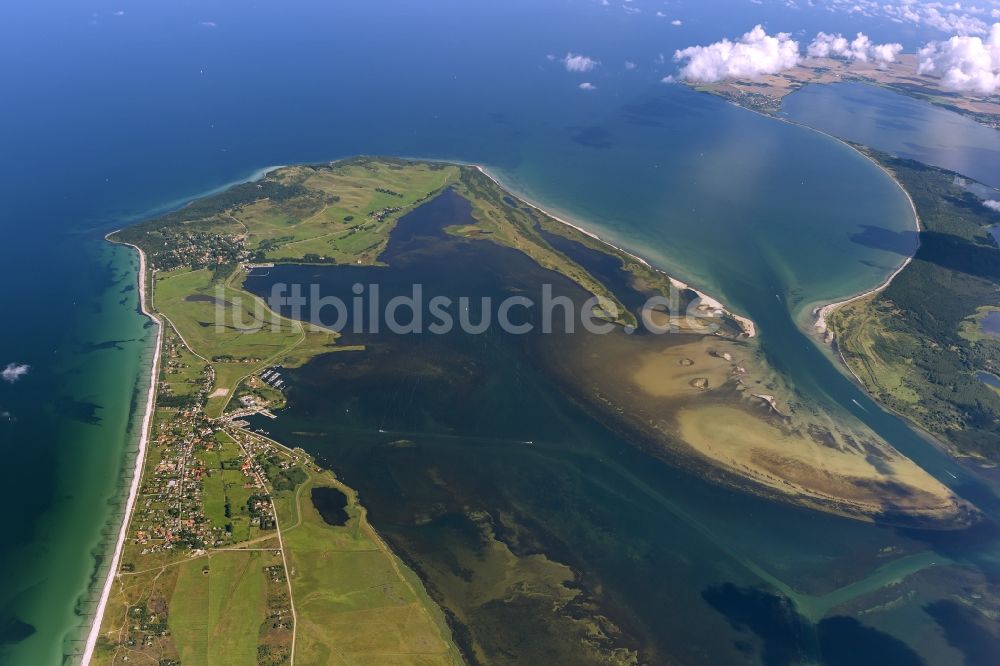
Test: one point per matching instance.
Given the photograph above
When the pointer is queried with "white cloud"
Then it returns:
(676, 22)
(963, 24)
(586, 85)
(860, 48)
(753, 54)
(208, 24)
(949, 17)
(964, 62)
(886, 52)
(992, 204)
(668, 79)
(629, 65)
(579, 63)
(14, 371)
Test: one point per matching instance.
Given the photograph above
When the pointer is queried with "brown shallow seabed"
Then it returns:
(705, 401)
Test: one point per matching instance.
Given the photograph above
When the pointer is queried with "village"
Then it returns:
(206, 484)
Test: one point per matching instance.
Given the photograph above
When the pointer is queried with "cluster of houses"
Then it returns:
(170, 511)
(199, 250)
(380, 215)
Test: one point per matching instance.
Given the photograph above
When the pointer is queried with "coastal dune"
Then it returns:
(707, 304)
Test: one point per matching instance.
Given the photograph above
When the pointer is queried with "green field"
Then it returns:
(217, 608)
(339, 226)
(181, 371)
(357, 603)
(223, 494)
(237, 343)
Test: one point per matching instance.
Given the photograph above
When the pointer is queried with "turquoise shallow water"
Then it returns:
(762, 214)
(86, 395)
(759, 213)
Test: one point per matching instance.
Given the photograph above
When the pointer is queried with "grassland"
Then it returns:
(517, 226)
(356, 602)
(917, 345)
(223, 491)
(218, 606)
(323, 214)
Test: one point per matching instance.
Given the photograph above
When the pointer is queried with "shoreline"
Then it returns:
(140, 458)
(713, 304)
(821, 313)
(178, 204)
(824, 309)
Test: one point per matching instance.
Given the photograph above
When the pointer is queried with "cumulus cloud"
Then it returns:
(586, 85)
(676, 22)
(579, 63)
(14, 371)
(992, 204)
(753, 54)
(629, 65)
(886, 52)
(860, 48)
(964, 62)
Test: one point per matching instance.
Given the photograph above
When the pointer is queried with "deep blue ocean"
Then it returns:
(112, 111)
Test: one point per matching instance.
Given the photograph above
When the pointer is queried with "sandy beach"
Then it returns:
(823, 312)
(140, 458)
(707, 303)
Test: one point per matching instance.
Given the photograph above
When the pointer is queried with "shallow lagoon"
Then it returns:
(478, 468)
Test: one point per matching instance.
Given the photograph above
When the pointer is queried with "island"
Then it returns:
(235, 544)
